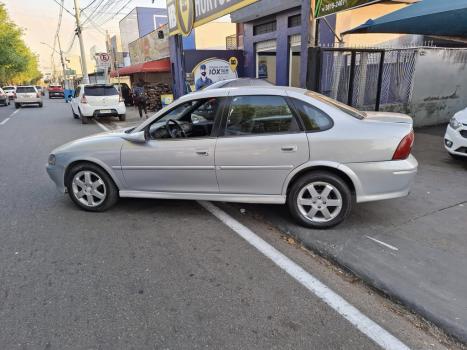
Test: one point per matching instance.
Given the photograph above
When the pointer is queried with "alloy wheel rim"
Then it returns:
(319, 201)
(88, 188)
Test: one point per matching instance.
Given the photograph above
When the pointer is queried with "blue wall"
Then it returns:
(146, 19)
(281, 35)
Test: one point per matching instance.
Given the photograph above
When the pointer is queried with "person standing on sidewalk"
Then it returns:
(139, 98)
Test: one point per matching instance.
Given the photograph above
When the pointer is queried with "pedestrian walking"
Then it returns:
(140, 99)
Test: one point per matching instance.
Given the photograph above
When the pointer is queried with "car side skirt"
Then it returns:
(220, 197)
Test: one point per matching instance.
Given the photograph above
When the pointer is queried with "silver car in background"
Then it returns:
(271, 145)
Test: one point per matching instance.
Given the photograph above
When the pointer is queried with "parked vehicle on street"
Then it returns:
(455, 139)
(4, 99)
(271, 145)
(40, 90)
(10, 91)
(56, 91)
(97, 100)
(27, 95)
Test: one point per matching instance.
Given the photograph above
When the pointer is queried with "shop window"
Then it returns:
(295, 21)
(264, 28)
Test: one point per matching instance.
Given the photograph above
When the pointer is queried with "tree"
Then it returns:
(17, 63)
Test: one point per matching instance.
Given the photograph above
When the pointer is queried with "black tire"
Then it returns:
(84, 119)
(340, 188)
(40, 105)
(17, 105)
(76, 116)
(111, 190)
(122, 117)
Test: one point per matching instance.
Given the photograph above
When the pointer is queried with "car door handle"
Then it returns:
(202, 153)
(289, 148)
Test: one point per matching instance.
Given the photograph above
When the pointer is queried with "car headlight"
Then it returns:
(52, 159)
(454, 123)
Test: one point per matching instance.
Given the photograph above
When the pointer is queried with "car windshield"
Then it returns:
(343, 107)
(25, 89)
(100, 90)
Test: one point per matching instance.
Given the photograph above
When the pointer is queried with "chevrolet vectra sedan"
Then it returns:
(272, 145)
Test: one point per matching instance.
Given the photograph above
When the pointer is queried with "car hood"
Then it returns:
(93, 139)
(461, 116)
(388, 117)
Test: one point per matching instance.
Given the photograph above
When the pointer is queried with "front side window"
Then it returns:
(255, 115)
(189, 119)
(313, 118)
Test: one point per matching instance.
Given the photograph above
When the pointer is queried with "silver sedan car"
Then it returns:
(272, 145)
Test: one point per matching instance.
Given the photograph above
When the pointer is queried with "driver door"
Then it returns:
(182, 164)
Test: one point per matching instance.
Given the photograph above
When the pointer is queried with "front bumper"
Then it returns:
(454, 142)
(57, 174)
(384, 180)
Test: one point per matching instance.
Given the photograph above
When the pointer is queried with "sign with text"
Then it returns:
(328, 7)
(184, 15)
(102, 60)
(213, 70)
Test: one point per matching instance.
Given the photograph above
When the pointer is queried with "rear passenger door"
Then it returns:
(260, 143)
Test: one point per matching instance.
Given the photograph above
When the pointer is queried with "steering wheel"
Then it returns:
(172, 133)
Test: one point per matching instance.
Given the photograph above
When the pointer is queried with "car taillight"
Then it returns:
(405, 147)
(83, 99)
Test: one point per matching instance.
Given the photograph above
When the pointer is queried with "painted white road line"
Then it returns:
(12, 114)
(368, 327)
(5, 121)
(102, 126)
(383, 243)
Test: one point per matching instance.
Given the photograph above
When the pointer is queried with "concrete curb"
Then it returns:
(372, 279)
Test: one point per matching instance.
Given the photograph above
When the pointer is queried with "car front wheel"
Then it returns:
(320, 200)
(91, 188)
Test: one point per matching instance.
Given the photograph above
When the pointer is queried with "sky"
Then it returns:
(39, 19)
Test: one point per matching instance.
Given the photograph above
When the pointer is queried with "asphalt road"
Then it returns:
(152, 274)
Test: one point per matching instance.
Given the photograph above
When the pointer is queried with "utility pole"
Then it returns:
(63, 62)
(81, 45)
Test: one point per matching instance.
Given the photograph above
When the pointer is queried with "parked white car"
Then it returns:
(27, 95)
(10, 91)
(455, 139)
(97, 100)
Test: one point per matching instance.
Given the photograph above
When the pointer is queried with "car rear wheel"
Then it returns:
(320, 200)
(91, 188)
(84, 119)
(17, 105)
(122, 117)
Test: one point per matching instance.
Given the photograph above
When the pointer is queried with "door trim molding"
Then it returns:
(223, 197)
(255, 167)
(165, 167)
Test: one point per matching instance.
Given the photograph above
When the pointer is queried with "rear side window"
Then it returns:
(25, 89)
(100, 91)
(313, 118)
(253, 115)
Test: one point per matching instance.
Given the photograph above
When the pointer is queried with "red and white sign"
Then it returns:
(102, 60)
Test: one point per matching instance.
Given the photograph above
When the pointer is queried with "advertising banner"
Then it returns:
(328, 7)
(150, 47)
(184, 15)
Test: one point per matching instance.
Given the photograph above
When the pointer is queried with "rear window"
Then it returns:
(55, 86)
(100, 91)
(343, 107)
(25, 89)
(9, 88)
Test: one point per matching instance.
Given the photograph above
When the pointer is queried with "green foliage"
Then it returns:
(18, 65)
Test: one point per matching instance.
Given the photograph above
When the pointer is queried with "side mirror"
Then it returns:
(136, 137)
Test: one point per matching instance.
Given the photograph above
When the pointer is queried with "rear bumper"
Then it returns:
(56, 94)
(28, 101)
(98, 111)
(454, 142)
(384, 180)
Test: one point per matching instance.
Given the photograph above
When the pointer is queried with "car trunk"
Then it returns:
(388, 117)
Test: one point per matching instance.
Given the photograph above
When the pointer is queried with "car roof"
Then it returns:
(244, 90)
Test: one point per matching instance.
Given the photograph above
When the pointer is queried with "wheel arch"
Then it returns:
(94, 162)
(340, 170)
